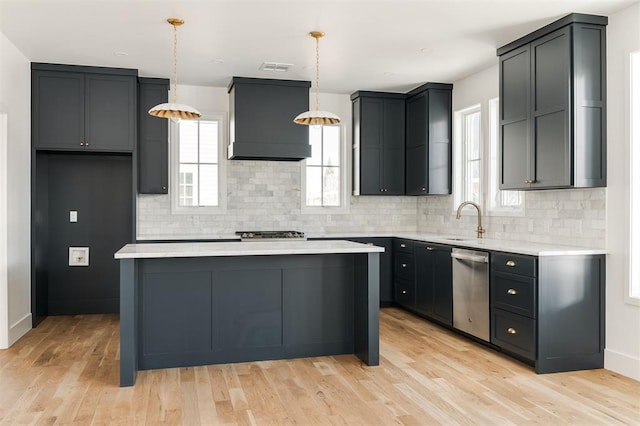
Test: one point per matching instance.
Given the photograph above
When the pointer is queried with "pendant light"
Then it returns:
(310, 118)
(174, 110)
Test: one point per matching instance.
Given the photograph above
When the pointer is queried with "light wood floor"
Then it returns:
(66, 371)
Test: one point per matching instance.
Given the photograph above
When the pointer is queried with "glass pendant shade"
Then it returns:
(316, 116)
(173, 110)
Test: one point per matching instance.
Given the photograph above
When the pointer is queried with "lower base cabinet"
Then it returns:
(549, 310)
(434, 289)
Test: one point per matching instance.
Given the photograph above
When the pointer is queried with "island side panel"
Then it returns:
(366, 305)
(128, 322)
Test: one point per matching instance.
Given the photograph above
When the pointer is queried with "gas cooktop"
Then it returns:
(271, 235)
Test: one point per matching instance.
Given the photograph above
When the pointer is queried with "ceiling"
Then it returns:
(391, 45)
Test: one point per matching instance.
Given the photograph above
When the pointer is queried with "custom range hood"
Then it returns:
(261, 123)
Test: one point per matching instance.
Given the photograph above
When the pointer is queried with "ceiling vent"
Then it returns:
(275, 66)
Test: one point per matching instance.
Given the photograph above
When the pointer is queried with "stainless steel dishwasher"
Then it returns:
(471, 292)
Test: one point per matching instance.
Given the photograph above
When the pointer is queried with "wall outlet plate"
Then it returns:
(78, 256)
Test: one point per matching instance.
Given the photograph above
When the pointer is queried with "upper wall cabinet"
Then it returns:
(553, 106)
(428, 139)
(378, 140)
(261, 113)
(83, 108)
(153, 137)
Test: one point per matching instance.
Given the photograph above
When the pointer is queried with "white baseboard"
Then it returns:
(19, 329)
(622, 364)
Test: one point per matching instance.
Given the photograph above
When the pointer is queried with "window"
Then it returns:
(196, 153)
(500, 202)
(322, 175)
(473, 138)
(634, 140)
(469, 155)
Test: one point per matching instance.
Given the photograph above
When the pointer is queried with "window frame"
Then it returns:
(493, 159)
(632, 293)
(344, 206)
(460, 161)
(174, 168)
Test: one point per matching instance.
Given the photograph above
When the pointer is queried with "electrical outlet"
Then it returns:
(328, 219)
(195, 219)
(73, 216)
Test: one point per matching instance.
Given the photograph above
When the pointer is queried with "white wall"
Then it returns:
(15, 265)
(623, 319)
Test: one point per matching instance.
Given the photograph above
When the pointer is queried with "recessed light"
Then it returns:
(388, 73)
(426, 50)
(217, 61)
(119, 53)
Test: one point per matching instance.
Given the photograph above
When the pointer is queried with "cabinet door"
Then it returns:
(515, 92)
(153, 146)
(550, 65)
(443, 286)
(417, 156)
(110, 105)
(393, 147)
(57, 110)
(439, 142)
(371, 136)
(425, 272)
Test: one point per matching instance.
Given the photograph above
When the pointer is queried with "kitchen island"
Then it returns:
(187, 304)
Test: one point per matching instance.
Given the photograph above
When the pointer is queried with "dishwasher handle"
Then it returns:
(471, 258)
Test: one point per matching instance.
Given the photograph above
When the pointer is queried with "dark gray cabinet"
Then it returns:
(261, 113)
(153, 137)
(553, 106)
(404, 282)
(379, 141)
(428, 139)
(434, 290)
(549, 310)
(386, 267)
(83, 108)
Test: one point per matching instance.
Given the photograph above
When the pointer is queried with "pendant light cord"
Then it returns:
(317, 73)
(175, 63)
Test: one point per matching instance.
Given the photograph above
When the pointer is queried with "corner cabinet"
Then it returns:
(553, 106)
(77, 108)
(153, 137)
(378, 143)
(428, 139)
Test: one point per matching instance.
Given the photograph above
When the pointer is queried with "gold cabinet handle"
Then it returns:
(430, 248)
(529, 181)
(404, 291)
(404, 265)
(511, 263)
(512, 291)
(81, 143)
(424, 189)
(86, 144)
(403, 245)
(511, 330)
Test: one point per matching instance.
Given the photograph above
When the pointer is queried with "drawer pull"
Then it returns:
(512, 291)
(403, 245)
(511, 263)
(404, 291)
(404, 265)
(430, 248)
(511, 330)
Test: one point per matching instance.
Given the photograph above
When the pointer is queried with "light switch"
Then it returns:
(73, 216)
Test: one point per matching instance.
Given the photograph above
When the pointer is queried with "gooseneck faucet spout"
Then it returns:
(479, 229)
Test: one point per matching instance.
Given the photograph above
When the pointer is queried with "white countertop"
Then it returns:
(246, 248)
(510, 246)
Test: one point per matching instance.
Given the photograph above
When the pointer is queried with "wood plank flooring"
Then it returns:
(66, 372)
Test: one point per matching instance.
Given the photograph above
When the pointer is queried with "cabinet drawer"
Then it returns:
(514, 333)
(405, 293)
(403, 245)
(514, 293)
(403, 266)
(514, 263)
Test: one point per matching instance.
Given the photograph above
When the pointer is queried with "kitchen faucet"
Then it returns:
(479, 229)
